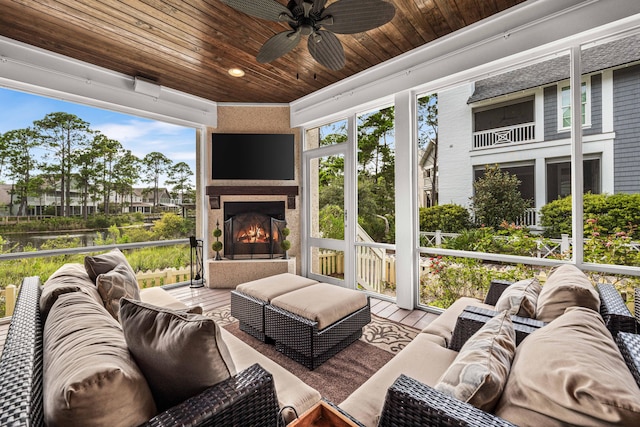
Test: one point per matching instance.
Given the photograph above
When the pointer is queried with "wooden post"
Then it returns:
(10, 299)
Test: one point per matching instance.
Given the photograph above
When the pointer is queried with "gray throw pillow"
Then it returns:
(116, 284)
(180, 354)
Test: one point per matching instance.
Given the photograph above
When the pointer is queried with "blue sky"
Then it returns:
(19, 110)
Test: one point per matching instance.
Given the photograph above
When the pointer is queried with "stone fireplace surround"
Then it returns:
(229, 273)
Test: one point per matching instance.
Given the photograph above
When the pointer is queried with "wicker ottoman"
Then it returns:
(249, 299)
(314, 323)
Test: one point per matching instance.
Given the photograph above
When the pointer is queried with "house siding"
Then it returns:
(626, 124)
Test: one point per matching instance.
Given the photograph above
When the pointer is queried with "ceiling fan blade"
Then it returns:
(357, 16)
(278, 45)
(325, 48)
(317, 6)
(263, 9)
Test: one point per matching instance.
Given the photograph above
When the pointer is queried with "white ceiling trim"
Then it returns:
(31, 69)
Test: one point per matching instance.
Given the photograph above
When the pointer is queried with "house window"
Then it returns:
(504, 115)
(564, 104)
(559, 178)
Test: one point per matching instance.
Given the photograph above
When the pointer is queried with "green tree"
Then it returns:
(155, 164)
(87, 176)
(376, 173)
(496, 198)
(106, 150)
(63, 134)
(125, 172)
(428, 134)
(180, 175)
(22, 164)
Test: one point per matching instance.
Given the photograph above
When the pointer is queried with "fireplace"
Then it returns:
(253, 229)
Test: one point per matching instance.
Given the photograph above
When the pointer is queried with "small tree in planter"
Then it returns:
(285, 244)
(217, 245)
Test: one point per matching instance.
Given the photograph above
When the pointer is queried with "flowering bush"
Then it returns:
(449, 278)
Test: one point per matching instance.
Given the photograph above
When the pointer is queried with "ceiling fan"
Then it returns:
(310, 18)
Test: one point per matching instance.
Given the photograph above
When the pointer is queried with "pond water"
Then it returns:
(36, 240)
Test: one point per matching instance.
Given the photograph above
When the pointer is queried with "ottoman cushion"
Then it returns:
(270, 287)
(322, 303)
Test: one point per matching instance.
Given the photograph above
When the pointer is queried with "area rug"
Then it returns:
(338, 377)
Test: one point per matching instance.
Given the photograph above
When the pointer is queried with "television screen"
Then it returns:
(253, 156)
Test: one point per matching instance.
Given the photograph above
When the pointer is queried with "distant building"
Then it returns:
(520, 120)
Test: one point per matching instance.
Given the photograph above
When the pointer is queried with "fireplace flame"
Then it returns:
(253, 234)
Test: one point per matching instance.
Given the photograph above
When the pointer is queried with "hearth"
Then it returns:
(253, 229)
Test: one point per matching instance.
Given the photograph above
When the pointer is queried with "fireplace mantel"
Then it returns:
(215, 191)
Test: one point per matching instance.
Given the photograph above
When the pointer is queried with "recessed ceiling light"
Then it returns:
(236, 72)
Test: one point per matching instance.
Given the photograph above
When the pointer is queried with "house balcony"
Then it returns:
(525, 132)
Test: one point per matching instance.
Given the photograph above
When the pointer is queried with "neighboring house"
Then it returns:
(143, 200)
(521, 121)
(428, 175)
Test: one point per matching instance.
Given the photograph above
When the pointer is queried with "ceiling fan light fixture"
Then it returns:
(236, 72)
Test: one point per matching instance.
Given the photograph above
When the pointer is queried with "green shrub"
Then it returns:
(614, 213)
(447, 218)
(496, 198)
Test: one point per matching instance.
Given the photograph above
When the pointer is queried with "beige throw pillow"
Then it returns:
(520, 298)
(566, 286)
(116, 284)
(89, 376)
(180, 354)
(480, 370)
(570, 373)
(104, 263)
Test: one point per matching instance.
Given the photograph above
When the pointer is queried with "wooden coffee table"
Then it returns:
(325, 414)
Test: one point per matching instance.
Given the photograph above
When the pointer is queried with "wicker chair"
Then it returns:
(247, 398)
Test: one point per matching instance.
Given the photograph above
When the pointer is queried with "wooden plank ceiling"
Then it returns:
(189, 45)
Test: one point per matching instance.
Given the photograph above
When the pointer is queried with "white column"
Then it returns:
(405, 174)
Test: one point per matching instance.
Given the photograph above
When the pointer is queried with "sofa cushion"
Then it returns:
(181, 354)
(480, 370)
(570, 373)
(160, 297)
(444, 325)
(270, 287)
(422, 359)
(291, 391)
(520, 298)
(319, 302)
(71, 277)
(90, 377)
(115, 284)
(104, 263)
(566, 286)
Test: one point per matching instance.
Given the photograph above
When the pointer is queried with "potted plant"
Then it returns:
(217, 245)
(285, 244)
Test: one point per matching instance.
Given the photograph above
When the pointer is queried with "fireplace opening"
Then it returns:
(253, 229)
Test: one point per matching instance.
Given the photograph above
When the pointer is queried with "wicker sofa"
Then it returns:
(411, 376)
(256, 393)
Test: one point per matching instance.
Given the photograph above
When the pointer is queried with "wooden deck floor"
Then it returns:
(211, 299)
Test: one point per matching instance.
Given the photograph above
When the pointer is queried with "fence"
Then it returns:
(146, 279)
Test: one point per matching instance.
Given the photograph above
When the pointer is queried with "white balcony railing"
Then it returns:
(506, 135)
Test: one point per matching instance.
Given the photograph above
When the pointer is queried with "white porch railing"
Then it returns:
(505, 135)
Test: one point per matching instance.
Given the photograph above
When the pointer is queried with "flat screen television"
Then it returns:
(252, 156)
